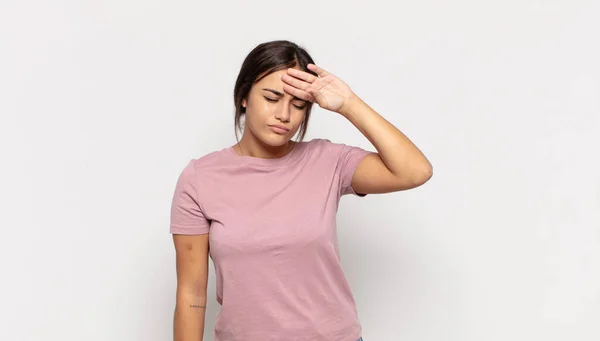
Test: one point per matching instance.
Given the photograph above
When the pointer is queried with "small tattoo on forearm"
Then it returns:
(197, 306)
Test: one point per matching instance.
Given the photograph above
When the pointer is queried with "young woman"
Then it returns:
(264, 209)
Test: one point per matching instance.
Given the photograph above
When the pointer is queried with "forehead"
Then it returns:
(273, 78)
(273, 81)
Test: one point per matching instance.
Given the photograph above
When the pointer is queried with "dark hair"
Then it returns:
(263, 60)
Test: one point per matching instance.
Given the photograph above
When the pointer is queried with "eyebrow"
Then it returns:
(281, 95)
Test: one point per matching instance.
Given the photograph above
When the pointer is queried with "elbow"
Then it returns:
(415, 179)
(185, 297)
(423, 175)
(427, 173)
(195, 290)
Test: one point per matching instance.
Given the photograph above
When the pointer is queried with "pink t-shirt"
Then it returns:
(273, 240)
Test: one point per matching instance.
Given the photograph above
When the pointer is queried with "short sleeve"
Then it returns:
(187, 216)
(349, 157)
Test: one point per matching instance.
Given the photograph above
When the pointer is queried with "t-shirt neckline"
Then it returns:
(279, 161)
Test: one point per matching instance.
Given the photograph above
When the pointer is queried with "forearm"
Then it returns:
(189, 317)
(397, 152)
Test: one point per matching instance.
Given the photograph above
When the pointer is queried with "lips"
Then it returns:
(279, 129)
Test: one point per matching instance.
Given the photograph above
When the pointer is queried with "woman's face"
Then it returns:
(273, 116)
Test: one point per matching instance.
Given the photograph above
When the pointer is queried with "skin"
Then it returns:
(264, 108)
(397, 165)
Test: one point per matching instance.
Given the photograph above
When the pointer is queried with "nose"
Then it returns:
(283, 114)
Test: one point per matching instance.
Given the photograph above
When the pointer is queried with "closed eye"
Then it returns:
(275, 100)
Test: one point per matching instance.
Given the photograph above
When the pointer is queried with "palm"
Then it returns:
(328, 91)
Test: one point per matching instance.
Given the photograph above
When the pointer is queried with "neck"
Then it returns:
(256, 148)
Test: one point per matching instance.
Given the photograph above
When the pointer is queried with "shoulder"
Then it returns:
(195, 166)
(320, 144)
(210, 160)
(325, 146)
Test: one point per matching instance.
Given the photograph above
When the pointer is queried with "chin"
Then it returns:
(275, 140)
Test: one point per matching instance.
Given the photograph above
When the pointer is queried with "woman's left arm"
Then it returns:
(398, 165)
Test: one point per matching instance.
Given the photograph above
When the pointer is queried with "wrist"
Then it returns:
(350, 106)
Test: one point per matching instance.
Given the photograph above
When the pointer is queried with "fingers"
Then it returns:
(298, 88)
(320, 71)
(305, 76)
(302, 94)
(295, 82)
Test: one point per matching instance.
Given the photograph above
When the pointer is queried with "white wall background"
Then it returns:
(103, 103)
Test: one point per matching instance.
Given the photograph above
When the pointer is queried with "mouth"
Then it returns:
(279, 129)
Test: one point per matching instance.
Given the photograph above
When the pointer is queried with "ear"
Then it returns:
(244, 102)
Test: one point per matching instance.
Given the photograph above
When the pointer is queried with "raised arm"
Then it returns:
(192, 277)
(397, 165)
